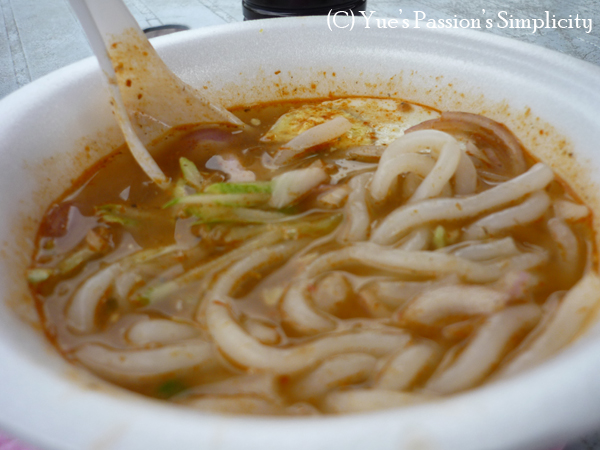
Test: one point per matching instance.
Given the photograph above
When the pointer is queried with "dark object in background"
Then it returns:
(161, 30)
(264, 9)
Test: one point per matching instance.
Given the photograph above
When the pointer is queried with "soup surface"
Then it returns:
(332, 256)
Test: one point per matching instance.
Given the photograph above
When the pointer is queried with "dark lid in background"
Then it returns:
(302, 4)
(260, 9)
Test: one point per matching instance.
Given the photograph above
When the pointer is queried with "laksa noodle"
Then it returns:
(329, 257)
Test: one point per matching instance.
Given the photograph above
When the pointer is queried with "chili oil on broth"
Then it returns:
(114, 213)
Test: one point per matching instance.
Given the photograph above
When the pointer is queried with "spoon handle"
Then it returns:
(83, 9)
(147, 98)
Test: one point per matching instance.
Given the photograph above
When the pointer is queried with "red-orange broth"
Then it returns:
(79, 237)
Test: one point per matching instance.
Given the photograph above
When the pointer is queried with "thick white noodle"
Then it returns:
(405, 366)
(245, 262)
(410, 184)
(485, 350)
(370, 302)
(409, 216)
(575, 310)
(235, 404)
(519, 284)
(422, 262)
(362, 400)
(159, 331)
(465, 178)
(82, 309)
(335, 197)
(125, 282)
(290, 186)
(145, 363)
(386, 175)
(482, 251)
(262, 385)
(566, 210)
(204, 269)
(397, 293)
(246, 351)
(231, 277)
(418, 239)
(333, 373)
(262, 331)
(529, 211)
(316, 135)
(399, 158)
(302, 315)
(448, 301)
(357, 220)
(440, 175)
(567, 242)
(299, 313)
(241, 347)
(416, 142)
(331, 291)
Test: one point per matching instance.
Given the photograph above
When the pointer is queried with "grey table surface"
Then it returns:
(40, 36)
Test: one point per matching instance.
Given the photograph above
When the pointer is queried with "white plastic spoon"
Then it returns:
(147, 98)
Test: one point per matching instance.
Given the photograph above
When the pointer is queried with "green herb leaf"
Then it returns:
(170, 388)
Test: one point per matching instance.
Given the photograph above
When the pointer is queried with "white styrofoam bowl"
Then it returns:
(55, 127)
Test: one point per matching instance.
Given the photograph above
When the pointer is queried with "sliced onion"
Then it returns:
(504, 143)
(357, 220)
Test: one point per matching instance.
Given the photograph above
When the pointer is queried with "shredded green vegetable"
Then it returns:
(35, 276)
(439, 237)
(231, 200)
(179, 189)
(217, 214)
(120, 214)
(76, 260)
(310, 228)
(254, 187)
(443, 237)
(191, 174)
(92, 246)
(128, 215)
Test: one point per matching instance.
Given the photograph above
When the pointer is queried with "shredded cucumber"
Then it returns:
(254, 187)
(191, 174)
